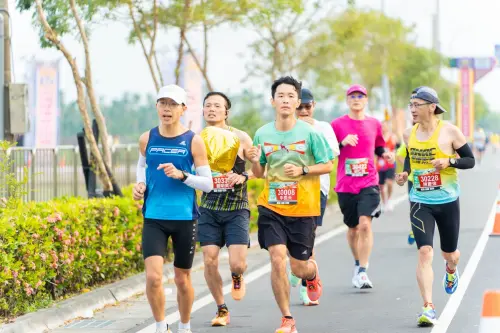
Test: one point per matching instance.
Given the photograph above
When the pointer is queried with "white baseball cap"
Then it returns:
(174, 92)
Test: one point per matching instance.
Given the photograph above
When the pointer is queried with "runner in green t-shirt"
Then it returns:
(293, 155)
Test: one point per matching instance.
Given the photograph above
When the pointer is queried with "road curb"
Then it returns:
(85, 304)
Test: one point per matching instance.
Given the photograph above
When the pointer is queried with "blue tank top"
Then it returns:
(167, 198)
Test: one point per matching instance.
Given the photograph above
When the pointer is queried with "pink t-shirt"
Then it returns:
(356, 168)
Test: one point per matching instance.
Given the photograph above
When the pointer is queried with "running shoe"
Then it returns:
(411, 238)
(304, 298)
(354, 276)
(450, 281)
(184, 330)
(362, 281)
(222, 318)
(287, 326)
(314, 287)
(427, 318)
(238, 288)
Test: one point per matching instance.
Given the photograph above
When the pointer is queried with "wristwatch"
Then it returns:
(244, 174)
(453, 161)
(305, 170)
(185, 176)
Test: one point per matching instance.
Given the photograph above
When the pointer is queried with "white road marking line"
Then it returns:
(455, 300)
(253, 275)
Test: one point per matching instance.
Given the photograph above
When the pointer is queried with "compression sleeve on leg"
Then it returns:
(202, 181)
(466, 160)
(141, 169)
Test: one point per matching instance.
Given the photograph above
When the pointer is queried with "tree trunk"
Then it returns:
(52, 37)
(141, 41)
(101, 122)
(197, 61)
(180, 52)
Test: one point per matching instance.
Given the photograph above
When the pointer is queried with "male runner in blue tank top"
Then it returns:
(225, 214)
(177, 165)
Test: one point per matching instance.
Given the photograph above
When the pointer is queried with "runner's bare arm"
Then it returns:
(320, 169)
(246, 143)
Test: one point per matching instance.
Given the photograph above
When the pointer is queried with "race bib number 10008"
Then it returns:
(283, 193)
(356, 167)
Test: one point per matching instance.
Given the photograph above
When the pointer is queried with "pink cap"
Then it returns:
(357, 88)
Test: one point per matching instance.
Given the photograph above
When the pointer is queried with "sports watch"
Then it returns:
(184, 176)
(453, 161)
(305, 170)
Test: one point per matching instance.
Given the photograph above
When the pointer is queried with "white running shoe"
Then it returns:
(184, 330)
(362, 281)
(164, 330)
(355, 274)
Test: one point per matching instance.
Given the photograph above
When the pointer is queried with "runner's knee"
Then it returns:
(210, 261)
(425, 253)
(153, 279)
(278, 257)
(364, 224)
(182, 279)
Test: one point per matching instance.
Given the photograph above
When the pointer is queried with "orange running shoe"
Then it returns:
(222, 318)
(238, 289)
(287, 326)
(314, 287)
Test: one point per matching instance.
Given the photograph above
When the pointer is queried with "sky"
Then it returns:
(467, 29)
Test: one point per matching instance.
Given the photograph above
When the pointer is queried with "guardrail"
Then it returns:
(57, 172)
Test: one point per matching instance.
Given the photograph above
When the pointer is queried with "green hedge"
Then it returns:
(53, 249)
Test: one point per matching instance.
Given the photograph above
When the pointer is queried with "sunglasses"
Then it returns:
(305, 106)
(360, 96)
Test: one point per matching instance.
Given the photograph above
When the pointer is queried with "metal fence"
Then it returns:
(57, 172)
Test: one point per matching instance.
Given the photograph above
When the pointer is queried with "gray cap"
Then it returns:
(429, 95)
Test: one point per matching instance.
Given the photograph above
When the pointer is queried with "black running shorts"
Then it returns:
(365, 203)
(447, 218)
(297, 233)
(156, 233)
(383, 176)
(223, 227)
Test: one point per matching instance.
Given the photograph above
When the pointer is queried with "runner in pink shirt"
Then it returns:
(360, 139)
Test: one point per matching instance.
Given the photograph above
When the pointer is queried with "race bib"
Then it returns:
(427, 180)
(283, 193)
(356, 167)
(221, 183)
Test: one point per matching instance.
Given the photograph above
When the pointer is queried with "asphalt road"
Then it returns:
(390, 307)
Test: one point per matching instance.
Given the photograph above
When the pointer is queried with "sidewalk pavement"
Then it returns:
(123, 307)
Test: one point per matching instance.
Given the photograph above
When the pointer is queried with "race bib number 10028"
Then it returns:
(283, 193)
(356, 167)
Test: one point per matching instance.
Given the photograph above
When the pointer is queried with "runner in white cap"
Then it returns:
(169, 154)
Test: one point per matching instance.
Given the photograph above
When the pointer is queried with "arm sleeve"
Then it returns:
(407, 166)
(379, 151)
(141, 169)
(202, 181)
(466, 160)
